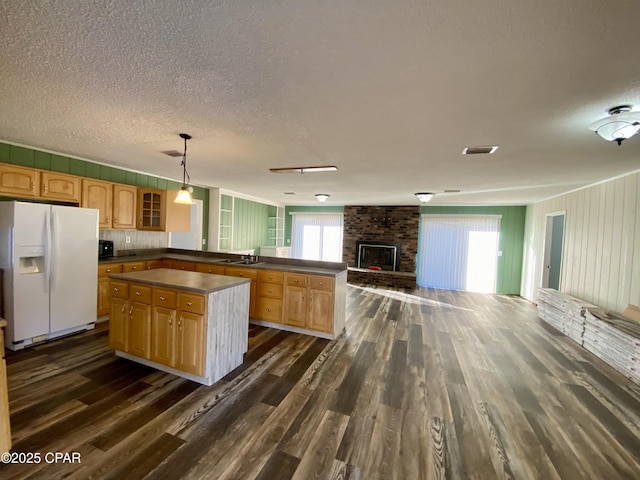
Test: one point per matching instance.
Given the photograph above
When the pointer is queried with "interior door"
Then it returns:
(553, 246)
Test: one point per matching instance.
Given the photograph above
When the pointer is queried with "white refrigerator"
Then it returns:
(49, 254)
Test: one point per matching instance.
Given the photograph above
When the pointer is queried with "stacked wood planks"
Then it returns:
(611, 337)
(614, 339)
(564, 312)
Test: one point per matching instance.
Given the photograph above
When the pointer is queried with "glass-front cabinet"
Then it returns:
(150, 209)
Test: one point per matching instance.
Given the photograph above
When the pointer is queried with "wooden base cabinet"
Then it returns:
(190, 343)
(309, 302)
(119, 324)
(270, 293)
(5, 426)
(163, 340)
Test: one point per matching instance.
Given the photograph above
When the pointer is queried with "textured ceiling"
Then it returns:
(389, 92)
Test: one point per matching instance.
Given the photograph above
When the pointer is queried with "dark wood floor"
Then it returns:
(422, 385)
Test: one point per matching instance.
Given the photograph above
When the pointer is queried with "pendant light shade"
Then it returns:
(184, 195)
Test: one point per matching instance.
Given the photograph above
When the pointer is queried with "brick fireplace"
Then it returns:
(384, 224)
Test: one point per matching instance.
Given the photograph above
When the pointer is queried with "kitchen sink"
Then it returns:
(227, 260)
(246, 261)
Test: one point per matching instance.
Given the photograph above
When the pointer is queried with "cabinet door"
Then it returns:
(19, 181)
(151, 209)
(163, 346)
(140, 329)
(118, 324)
(320, 315)
(183, 265)
(103, 295)
(295, 306)
(153, 264)
(59, 186)
(5, 427)
(190, 343)
(124, 206)
(97, 194)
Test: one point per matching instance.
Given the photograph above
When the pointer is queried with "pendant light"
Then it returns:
(184, 195)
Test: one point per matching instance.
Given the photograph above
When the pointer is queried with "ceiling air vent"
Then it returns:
(172, 153)
(479, 150)
(289, 193)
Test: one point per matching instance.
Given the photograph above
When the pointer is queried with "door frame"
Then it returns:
(548, 245)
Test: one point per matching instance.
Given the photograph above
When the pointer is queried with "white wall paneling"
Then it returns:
(601, 252)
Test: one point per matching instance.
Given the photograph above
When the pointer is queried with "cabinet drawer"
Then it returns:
(320, 283)
(295, 280)
(133, 267)
(164, 297)
(118, 289)
(182, 265)
(243, 272)
(270, 290)
(191, 303)
(267, 276)
(140, 293)
(153, 264)
(208, 268)
(106, 270)
(270, 310)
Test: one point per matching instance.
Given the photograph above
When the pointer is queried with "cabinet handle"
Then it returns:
(270, 277)
(33, 186)
(296, 280)
(131, 310)
(123, 308)
(116, 289)
(134, 268)
(180, 323)
(137, 294)
(321, 284)
(115, 220)
(109, 270)
(181, 268)
(44, 187)
(269, 310)
(189, 304)
(269, 291)
(209, 271)
(170, 322)
(161, 298)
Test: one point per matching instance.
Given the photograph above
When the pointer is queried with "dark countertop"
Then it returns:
(181, 280)
(265, 263)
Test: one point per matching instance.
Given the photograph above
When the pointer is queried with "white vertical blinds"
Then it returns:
(459, 252)
(317, 236)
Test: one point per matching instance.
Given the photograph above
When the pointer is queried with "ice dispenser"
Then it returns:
(31, 260)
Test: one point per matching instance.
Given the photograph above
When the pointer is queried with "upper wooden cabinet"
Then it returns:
(60, 186)
(124, 207)
(98, 194)
(19, 181)
(157, 211)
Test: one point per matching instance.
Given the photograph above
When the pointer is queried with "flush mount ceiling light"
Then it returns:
(622, 123)
(424, 197)
(322, 197)
(184, 195)
(324, 168)
(479, 150)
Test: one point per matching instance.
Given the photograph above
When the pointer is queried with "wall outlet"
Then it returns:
(127, 239)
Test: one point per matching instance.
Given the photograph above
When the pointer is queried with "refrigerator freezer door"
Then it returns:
(30, 296)
(74, 263)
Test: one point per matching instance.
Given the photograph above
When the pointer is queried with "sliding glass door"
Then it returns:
(317, 236)
(459, 252)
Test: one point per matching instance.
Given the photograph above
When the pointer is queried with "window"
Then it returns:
(459, 252)
(317, 236)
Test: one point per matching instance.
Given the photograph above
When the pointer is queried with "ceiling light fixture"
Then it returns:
(184, 195)
(322, 197)
(324, 168)
(622, 123)
(424, 197)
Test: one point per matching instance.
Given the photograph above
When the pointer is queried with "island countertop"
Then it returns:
(181, 280)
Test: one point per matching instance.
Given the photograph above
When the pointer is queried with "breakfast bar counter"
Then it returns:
(187, 323)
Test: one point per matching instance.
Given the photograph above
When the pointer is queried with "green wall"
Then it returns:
(250, 224)
(312, 209)
(28, 157)
(511, 240)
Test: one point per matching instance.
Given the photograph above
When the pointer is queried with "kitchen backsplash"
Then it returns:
(137, 239)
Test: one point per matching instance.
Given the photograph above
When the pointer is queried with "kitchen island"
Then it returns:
(191, 324)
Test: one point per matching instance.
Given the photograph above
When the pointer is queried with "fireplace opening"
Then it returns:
(378, 255)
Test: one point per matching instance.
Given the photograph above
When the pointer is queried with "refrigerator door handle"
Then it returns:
(54, 249)
(47, 253)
